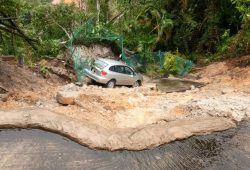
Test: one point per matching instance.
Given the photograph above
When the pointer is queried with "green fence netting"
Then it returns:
(87, 34)
(183, 66)
(180, 66)
(140, 61)
(90, 33)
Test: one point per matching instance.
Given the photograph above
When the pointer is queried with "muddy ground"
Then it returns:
(226, 95)
(35, 149)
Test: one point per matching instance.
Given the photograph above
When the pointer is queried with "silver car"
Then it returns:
(112, 73)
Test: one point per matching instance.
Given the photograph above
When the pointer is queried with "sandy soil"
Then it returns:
(226, 94)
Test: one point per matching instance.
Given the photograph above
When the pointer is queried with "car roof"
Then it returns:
(112, 62)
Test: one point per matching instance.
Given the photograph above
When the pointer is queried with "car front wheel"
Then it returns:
(110, 84)
(136, 84)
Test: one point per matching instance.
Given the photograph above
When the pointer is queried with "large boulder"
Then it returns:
(68, 94)
(66, 98)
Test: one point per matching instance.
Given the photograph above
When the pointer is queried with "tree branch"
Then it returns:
(66, 32)
(28, 40)
(115, 18)
(15, 27)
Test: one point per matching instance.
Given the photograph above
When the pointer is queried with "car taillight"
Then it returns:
(103, 73)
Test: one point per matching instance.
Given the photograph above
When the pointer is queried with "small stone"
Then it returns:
(80, 84)
(157, 157)
(4, 94)
(38, 103)
(192, 87)
(151, 86)
(84, 86)
(196, 90)
(226, 90)
(4, 97)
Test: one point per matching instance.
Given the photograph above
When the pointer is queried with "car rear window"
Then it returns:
(100, 64)
(112, 68)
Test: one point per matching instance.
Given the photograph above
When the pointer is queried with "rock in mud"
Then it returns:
(68, 94)
(66, 98)
(4, 94)
(4, 97)
(227, 90)
(150, 86)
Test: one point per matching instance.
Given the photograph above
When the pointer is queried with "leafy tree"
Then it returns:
(192, 27)
(37, 24)
(11, 23)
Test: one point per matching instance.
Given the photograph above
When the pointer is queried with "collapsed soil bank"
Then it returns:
(127, 118)
(96, 137)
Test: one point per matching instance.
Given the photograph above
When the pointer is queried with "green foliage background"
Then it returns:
(202, 31)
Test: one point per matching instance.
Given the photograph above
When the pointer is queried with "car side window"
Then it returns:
(128, 71)
(119, 69)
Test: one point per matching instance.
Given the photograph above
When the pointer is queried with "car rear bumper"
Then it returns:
(95, 77)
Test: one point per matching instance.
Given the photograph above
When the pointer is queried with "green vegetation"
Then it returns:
(175, 64)
(212, 29)
(201, 31)
(36, 29)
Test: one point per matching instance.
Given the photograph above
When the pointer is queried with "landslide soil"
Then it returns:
(226, 94)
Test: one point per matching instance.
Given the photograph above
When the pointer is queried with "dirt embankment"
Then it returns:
(128, 118)
(234, 73)
(95, 136)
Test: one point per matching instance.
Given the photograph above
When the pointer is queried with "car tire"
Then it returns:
(110, 84)
(136, 84)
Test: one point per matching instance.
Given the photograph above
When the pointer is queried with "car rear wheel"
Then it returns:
(110, 84)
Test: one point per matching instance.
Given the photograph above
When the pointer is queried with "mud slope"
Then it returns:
(128, 118)
(96, 137)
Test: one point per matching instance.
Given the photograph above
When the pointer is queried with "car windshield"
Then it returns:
(100, 64)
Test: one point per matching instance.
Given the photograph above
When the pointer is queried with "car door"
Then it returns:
(129, 76)
(121, 76)
(117, 73)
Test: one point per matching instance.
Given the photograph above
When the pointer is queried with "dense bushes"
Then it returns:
(201, 30)
(176, 64)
